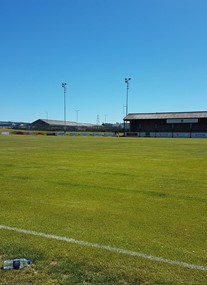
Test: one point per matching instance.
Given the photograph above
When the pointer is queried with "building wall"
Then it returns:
(161, 125)
(40, 125)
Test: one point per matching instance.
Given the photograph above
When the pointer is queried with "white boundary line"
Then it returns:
(106, 247)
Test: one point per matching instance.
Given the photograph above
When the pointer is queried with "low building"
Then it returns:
(56, 125)
(170, 124)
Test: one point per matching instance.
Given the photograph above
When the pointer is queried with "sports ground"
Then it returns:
(101, 210)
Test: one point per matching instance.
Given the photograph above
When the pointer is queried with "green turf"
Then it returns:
(139, 194)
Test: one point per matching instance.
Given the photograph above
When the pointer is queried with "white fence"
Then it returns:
(167, 135)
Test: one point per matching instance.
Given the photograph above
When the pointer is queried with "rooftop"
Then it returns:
(166, 115)
(62, 123)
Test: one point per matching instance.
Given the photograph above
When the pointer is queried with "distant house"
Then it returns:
(170, 124)
(7, 124)
(56, 125)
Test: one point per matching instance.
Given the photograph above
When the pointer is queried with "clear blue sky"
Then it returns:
(93, 45)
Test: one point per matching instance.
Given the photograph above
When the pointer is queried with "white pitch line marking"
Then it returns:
(108, 248)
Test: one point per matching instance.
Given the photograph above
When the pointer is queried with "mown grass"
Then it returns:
(145, 195)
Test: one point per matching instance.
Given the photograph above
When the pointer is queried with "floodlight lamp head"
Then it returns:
(127, 80)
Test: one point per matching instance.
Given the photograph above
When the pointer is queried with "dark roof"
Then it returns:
(62, 123)
(168, 115)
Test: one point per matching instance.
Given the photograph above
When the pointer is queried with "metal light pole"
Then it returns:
(124, 108)
(77, 116)
(127, 93)
(64, 86)
(105, 115)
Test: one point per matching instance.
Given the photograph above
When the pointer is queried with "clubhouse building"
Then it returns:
(170, 124)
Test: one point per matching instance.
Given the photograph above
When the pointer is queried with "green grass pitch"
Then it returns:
(139, 194)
